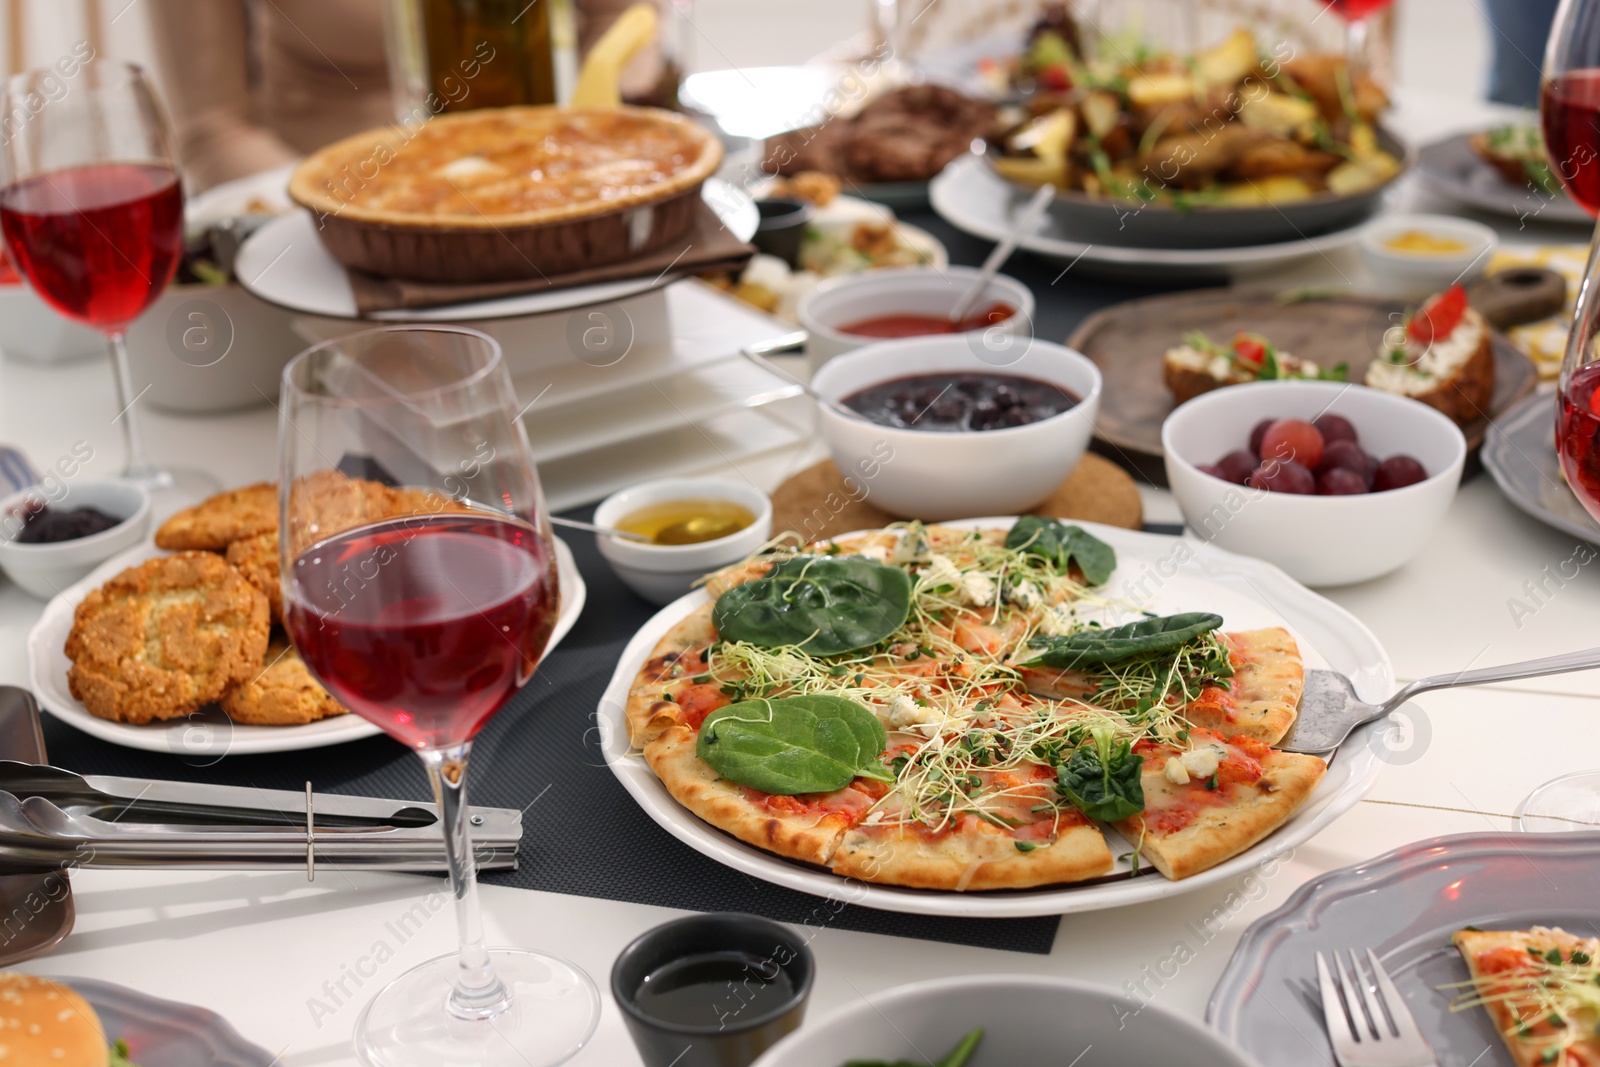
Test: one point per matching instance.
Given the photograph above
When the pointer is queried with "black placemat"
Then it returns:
(583, 834)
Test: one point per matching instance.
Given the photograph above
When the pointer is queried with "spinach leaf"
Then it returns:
(956, 1057)
(1103, 779)
(805, 744)
(1091, 647)
(1061, 545)
(824, 605)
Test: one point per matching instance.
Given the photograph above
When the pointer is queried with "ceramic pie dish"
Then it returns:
(506, 193)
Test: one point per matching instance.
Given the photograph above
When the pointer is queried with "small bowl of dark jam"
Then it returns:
(713, 990)
(845, 313)
(54, 533)
(959, 426)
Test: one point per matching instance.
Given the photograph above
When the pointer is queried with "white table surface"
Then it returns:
(281, 958)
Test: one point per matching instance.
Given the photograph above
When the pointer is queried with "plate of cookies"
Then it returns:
(177, 645)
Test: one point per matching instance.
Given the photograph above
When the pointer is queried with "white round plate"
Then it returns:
(267, 188)
(48, 663)
(285, 263)
(1164, 575)
(971, 197)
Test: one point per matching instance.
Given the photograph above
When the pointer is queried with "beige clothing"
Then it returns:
(253, 84)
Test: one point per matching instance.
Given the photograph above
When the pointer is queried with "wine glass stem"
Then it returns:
(136, 466)
(1356, 45)
(1581, 335)
(477, 993)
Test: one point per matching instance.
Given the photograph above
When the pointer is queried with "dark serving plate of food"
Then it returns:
(1230, 146)
(1130, 344)
(1184, 223)
(1455, 167)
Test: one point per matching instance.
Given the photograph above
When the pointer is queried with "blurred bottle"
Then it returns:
(454, 55)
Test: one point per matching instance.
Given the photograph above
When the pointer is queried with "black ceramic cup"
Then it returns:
(734, 1031)
(782, 226)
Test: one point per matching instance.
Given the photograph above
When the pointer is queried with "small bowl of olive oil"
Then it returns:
(712, 990)
(693, 526)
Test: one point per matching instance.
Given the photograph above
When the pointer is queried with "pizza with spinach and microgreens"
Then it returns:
(930, 707)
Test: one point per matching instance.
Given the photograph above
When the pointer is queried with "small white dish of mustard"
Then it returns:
(1413, 256)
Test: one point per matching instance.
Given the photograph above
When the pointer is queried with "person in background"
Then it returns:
(1519, 30)
(255, 84)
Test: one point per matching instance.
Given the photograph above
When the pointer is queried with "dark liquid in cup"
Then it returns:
(714, 989)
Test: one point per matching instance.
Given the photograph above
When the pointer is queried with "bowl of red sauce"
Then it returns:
(945, 427)
(847, 312)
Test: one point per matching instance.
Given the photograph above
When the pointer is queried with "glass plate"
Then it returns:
(1404, 905)
(165, 1033)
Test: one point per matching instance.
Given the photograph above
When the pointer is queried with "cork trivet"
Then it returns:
(815, 503)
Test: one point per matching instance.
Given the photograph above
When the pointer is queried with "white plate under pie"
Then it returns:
(209, 735)
(1163, 574)
(285, 263)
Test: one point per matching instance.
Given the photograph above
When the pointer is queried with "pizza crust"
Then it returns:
(648, 715)
(1221, 831)
(809, 837)
(976, 856)
(1263, 696)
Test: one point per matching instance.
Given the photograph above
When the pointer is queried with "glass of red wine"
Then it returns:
(419, 585)
(1357, 15)
(92, 209)
(1569, 110)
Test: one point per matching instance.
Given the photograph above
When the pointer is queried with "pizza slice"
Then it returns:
(807, 827)
(1214, 798)
(1260, 700)
(951, 823)
(1541, 988)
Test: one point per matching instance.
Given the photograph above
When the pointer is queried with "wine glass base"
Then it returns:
(172, 488)
(554, 1010)
(1562, 805)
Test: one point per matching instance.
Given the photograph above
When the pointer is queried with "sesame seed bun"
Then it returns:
(45, 1022)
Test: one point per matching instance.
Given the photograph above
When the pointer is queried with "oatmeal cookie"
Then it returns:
(283, 692)
(257, 559)
(164, 637)
(227, 517)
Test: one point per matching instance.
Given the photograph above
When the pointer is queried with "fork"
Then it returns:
(1368, 1022)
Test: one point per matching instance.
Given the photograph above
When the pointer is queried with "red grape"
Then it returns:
(1215, 472)
(1350, 456)
(1340, 481)
(1283, 476)
(1258, 433)
(1335, 428)
(1397, 472)
(1237, 466)
(1293, 439)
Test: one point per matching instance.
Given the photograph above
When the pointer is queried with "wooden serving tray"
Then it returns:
(1127, 342)
(816, 504)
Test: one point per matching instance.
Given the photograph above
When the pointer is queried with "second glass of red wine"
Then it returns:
(420, 587)
(92, 210)
(1570, 113)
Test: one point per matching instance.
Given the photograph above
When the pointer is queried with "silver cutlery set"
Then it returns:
(51, 818)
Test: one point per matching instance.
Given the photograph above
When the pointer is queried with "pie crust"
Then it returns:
(506, 193)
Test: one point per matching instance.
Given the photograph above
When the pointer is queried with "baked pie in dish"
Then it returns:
(507, 193)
